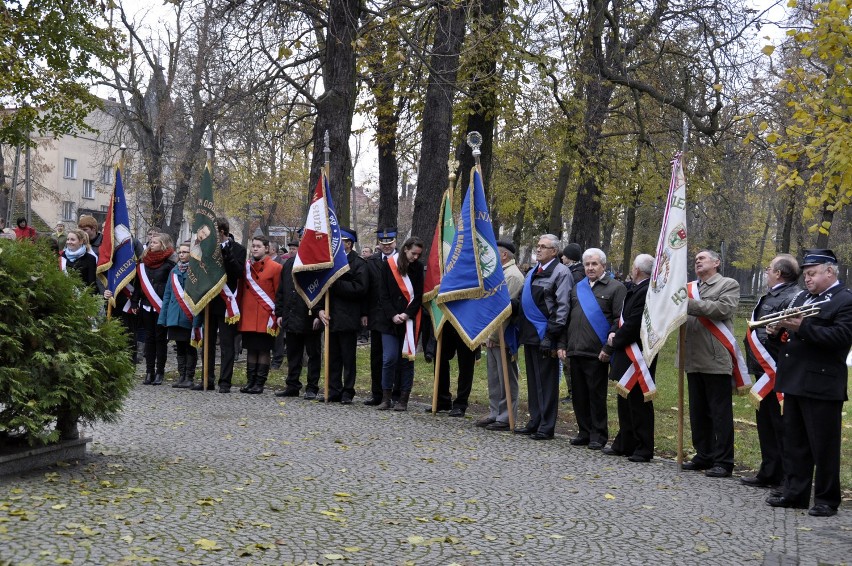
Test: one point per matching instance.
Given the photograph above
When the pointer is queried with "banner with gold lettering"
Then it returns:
(206, 273)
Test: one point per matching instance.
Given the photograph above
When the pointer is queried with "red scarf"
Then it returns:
(153, 260)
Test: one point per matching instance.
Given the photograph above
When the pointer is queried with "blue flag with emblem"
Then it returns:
(117, 259)
(474, 290)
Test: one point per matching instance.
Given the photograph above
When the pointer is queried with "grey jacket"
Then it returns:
(719, 299)
(582, 339)
(551, 291)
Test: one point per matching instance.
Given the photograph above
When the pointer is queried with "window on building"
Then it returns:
(106, 175)
(88, 189)
(104, 208)
(70, 168)
(68, 210)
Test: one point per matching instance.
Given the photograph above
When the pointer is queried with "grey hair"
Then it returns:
(713, 255)
(508, 253)
(554, 241)
(595, 252)
(644, 263)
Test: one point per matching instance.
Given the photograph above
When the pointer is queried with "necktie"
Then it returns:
(539, 270)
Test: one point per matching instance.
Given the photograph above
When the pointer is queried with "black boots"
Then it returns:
(251, 377)
(158, 379)
(402, 404)
(149, 378)
(189, 375)
(261, 373)
(385, 405)
(373, 400)
(181, 366)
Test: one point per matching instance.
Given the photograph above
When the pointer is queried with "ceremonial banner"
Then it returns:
(442, 242)
(665, 307)
(321, 258)
(205, 276)
(116, 260)
(462, 277)
(477, 317)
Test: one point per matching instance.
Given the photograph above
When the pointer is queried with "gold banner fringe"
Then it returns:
(475, 293)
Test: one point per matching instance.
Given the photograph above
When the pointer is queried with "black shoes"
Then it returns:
(456, 412)
(287, 393)
(200, 386)
(541, 436)
(577, 441)
(756, 481)
(822, 510)
(440, 409)
(331, 398)
(498, 426)
(310, 395)
(526, 430)
(224, 389)
(345, 399)
(373, 400)
(695, 466)
(718, 472)
(638, 459)
(782, 501)
(149, 379)
(158, 379)
(484, 422)
(595, 446)
(610, 451)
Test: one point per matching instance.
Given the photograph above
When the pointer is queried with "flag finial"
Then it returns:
(474, 140)
(326, 148)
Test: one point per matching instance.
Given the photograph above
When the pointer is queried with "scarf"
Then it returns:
(153, 260)
(183, 266)
(74, 256)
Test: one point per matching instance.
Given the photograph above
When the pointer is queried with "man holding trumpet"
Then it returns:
(782, 273)
(812, 375)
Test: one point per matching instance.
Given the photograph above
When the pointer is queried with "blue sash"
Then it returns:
(592, 310)
(512, 336)
(531, 310)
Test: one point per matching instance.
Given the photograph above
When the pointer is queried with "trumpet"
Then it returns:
(803, 311)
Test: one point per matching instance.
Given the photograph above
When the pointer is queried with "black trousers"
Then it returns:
(711, 416)
(341, 363)
(453, 346)
(812, 440)
(130, 322)
(156, 344)
(636, 425)
(589, 378)
(770, 434)
(299, 343)
(227, 334)
(542, 389)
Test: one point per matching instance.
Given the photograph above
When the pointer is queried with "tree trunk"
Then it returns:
(760, 249)
(823, 236)
(438, 118)
(786, 233)
(554, 226)
(517, 234)
(386, 132)
(337, 105)
(4, 188)
(629, 227)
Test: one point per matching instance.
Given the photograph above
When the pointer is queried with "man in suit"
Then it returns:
(710, 364)
(234, 257)
(762, 355)
(635, 438)
(812, 375)
(385, 248)
(544, 309)
(596, 303)
(348, 305)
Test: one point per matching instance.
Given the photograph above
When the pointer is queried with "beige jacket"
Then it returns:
(719, 299)
(515, 282)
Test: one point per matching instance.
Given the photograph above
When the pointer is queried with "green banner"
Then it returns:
(206, 274)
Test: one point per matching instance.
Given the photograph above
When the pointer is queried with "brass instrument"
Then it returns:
(803, 311)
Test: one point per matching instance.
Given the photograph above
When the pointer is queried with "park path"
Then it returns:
(204, 478)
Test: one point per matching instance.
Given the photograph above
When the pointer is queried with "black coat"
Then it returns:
(290, 306)
(629, 332)
(374, 265)
(775, 301)
(159, 278)
(349, 296)
(86, 267)
(812, 363)
(393, 302)
(234, 258)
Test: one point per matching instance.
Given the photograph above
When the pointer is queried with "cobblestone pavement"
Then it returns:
(203, 478)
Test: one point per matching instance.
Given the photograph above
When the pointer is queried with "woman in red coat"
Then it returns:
(257, 313)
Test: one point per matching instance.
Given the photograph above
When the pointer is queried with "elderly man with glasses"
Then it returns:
(544, 309)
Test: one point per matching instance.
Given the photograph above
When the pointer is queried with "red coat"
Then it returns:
(267, 274)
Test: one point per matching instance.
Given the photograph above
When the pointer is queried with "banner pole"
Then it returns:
(505, 363)
(109, 310)
(680, 356)
(437, 371)
(206, 345)
(326, 344)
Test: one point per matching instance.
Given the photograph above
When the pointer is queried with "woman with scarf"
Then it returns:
(77, 256)
(177, 317)
(153, 277)
(400, 295)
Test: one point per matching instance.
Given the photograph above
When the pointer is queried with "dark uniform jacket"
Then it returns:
(775, 301)
(578, 272)
(349, 296)
(86, 267)
(812, 363)
(374, 278)
(290, 306)
(393, 302)
(234, 258)
(629, 332)
(159, 278)
(582, 339)
(551, 291)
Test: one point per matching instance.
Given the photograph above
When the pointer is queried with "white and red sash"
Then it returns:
(232, 306)
(766, 383)
(127, 291)
(63, 264)
(741, 377)
(177, 291)
(412, 327)
(265, 302)
(148, 288)
(638, 372)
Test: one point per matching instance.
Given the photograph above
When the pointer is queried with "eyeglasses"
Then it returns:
(540, 247)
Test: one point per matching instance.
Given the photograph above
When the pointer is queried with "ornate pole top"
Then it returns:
(474, 140)
(327, 148)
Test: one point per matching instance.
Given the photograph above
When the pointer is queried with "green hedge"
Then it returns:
(59, 358)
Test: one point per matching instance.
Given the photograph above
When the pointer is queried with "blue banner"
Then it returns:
(118, 259)
(476, 318)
